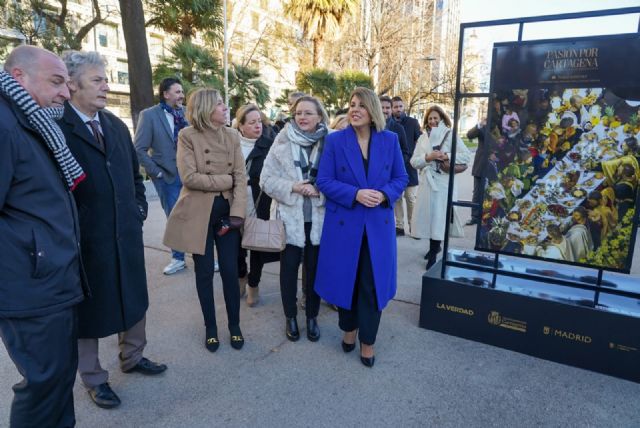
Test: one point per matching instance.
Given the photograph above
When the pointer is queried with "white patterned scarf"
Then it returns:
(43, 121)
(307, 165)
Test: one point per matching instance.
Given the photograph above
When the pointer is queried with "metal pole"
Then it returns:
(452, 156)
(225, 61)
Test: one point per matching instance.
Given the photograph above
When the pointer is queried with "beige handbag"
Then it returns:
(263, 235)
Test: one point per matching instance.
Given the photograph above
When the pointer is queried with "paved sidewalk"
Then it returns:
(421, 378)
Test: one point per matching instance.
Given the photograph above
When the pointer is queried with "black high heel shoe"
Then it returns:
(291, 329)
(367, 361)
(348, 347)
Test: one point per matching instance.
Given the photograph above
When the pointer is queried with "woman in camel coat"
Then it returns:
(211, 207)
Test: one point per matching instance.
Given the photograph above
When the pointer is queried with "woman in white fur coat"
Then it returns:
(288, 176)
(430, 211)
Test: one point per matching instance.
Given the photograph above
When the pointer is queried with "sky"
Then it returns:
(485, 10)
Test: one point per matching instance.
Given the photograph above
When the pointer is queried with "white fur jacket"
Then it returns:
(276, 180)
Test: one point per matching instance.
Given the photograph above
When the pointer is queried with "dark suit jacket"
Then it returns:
(394, 126)
(40, 270)
(111, 207)
(154, 143)
(412, 131)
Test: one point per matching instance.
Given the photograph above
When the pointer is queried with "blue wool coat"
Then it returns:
(340, 176)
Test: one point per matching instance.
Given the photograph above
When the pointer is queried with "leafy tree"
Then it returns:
(141, 89)
(185, 18)
(319, 18)
(43, 25)
(346, 82)
(204, 68)
(245, 86)
(320, 83)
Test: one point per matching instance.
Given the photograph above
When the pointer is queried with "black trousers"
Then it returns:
(364, 314)
(289, 263)
(45, 352)
(227, 246)
(257, 260)
(476, 212)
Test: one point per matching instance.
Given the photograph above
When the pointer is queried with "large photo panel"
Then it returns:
(563, 139)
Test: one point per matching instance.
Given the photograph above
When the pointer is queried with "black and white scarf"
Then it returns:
(42, 119)
(307, 165)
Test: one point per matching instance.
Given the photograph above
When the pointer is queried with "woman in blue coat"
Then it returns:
(361, 174)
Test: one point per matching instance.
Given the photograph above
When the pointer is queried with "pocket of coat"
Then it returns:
(40, 255)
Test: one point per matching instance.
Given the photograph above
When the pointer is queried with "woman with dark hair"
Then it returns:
(255, 146)
(432, 150)
(289, 177)
(211, 207)
(361, 174)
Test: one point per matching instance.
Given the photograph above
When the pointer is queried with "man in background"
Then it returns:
(156, 141)
(412, 131)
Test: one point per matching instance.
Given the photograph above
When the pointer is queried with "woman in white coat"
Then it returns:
(430, 212)
(288, 177)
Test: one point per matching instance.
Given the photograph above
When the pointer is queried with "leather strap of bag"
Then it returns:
(253, 212)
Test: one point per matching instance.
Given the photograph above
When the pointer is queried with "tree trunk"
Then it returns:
(139, 64)
(316, 53)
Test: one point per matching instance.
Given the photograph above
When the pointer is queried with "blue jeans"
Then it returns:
(168, 194)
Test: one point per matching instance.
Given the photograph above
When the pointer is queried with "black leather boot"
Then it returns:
(291, 327)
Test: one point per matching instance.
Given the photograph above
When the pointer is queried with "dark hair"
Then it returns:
(386, 99)
(396, 98)
(165, 85)
(582, 211)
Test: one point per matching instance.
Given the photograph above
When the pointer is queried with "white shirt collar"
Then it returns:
(83, 116)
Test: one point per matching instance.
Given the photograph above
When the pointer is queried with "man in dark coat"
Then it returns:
(412, 132)
(40, 266)
(112, 208)
(478, 171)
(393, 126)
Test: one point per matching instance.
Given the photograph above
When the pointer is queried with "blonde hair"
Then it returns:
(341, 121)
(316, 102)
(241, 114)
(200, 106)
(372, 105)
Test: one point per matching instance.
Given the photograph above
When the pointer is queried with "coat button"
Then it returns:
(208, 162)
(206, 150)
(341, 223)
(386, 167)
(386, 221)
(229, 164)
(344, 169)
(108, 163)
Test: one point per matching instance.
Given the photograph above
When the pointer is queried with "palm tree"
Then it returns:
(185, 18)
(319, 18)
(245, 86)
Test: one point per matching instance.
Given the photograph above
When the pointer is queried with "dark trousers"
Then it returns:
(45, 352)
(227, 246)
(476, 212)
(364, 314)
(254, 270)
(289, 263)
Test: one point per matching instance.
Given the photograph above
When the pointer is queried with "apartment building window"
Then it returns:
(264, 4)
(123, 72)
(156, 45)
(108, 36)
(255, 21)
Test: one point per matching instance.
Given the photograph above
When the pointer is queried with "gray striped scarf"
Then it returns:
(43, 121)
(307, 165)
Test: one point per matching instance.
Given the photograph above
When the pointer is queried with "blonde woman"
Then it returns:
(362, 175)
(211, 207)
(288, 176)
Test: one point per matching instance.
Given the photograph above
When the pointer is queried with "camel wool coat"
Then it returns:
(210, 164)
